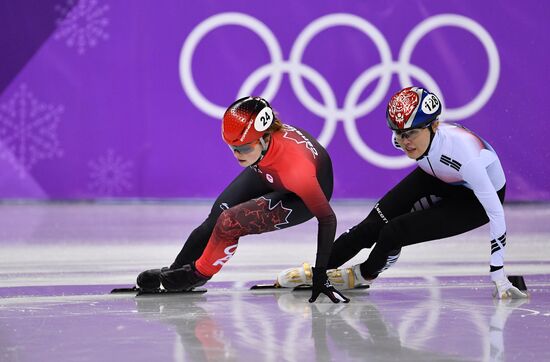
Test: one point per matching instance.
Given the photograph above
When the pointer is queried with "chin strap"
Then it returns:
(265, 146)
(432, 135)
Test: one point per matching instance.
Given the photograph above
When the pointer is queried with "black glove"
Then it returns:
(321, 284)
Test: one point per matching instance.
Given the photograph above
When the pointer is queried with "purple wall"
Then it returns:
(123, 98)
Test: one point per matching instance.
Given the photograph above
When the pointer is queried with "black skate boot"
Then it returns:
(182, 279)
(150, 279)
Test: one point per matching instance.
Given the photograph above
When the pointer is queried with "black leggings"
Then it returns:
(276, 210)
(420, 208)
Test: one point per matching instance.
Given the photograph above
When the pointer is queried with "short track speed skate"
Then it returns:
(298, 287)
(159, 291)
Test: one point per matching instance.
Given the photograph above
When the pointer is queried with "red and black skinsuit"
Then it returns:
(292, 183)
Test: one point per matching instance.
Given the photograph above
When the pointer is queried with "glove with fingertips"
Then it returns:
(321, 284)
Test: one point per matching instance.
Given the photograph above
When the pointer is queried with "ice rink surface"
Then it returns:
(59, 261)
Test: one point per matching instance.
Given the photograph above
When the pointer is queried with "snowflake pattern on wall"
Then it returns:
(110, 174)
(28, 130)
(82, 24)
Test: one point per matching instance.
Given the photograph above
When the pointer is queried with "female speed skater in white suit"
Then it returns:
(459, 185)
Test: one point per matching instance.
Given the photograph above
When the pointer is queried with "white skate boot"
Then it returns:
(294, 277)
(346, 278)
(505, 290)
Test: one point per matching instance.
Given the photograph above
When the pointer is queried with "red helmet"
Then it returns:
(246, 120)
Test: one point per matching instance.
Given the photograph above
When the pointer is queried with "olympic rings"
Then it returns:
(186, 74)
(329, 110)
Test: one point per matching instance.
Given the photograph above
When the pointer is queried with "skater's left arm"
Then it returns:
(307, 187)
(475, 174)
(303, 182)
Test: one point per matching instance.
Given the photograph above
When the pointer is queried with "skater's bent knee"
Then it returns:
(228, 226)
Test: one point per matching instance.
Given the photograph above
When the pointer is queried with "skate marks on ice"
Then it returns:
(416, 320)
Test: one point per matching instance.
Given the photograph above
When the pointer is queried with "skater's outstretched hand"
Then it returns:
(321, 284)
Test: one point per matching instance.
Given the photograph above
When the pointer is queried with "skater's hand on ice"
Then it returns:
(321, 284)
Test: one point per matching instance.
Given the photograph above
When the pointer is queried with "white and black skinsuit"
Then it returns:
(459, 185)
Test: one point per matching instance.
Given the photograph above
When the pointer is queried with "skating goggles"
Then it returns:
(244, 149)
(409, 134)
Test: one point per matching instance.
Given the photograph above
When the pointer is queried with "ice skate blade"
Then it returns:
(139, 292)
(144, 293)
(299, 287)
(265, 286)
(125, 290)
(308, 287)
